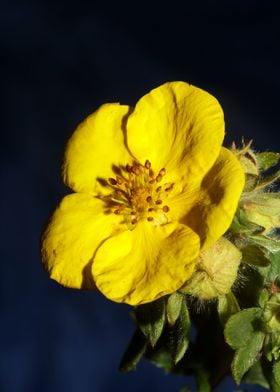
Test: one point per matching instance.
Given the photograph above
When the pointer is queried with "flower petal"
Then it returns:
(146, 263)
(76, 230)
(217, 199)
(179, 127)
(96, 145)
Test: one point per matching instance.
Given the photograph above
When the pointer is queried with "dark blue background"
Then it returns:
(59, 62)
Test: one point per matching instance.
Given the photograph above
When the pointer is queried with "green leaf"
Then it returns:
(268, 180)
(134, 352)
(246, 356)
(227, 306)
(255, 375)
(255, 255)
(180, 334)
(270, 375)
(273, 271)
(263, 298)
(266, 160)
(251, 182)
(241, 224)
(272, 245)
(151, 319)
(161, 355)
(276, 372)
(271, 314)
(241, 327)
(202, 381)
(173, 307)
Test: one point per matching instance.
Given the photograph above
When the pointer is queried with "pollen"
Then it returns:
(136, 194)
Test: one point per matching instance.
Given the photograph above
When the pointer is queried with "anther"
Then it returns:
(162, 172)
(158, 189)
(136, 170)
(158, 201)
(158, 178)
(134, 221)
(150, 209)
(150, 219)
(169, 188)
(165, 208)
(151, 173)
(112, 181)
(119, 180)
(128, 168)
(147, 164)
(149, 199)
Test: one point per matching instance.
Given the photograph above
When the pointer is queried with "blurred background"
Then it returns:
(59, 62)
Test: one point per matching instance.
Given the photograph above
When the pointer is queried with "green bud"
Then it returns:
(271, 314)
(262, 209)
(268, 159)
(216, 271)
(247, 158)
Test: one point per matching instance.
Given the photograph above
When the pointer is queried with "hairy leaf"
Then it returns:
(173, 307)
(227, 306)
(180, 334)
(151, 319)
(246, 356)
(241, 327)
(134, 352)
(266, 160)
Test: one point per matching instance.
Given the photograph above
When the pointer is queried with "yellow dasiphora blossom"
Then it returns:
(153, 187)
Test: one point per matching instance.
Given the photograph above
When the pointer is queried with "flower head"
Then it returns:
(153, 187)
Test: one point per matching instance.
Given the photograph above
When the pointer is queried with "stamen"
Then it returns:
(137, 194)
(119, 180)
(136, 170)
(148, 164)
(170, 187)
(112, 181)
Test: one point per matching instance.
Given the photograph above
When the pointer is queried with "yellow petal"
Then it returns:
(179, 127)
(146, 263)
(94, 148)
(217, 200)
(76, 230)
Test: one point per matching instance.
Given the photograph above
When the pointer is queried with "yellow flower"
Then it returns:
(153, 188)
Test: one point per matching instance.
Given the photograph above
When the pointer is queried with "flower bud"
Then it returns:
(263, 209)
(216, 271)
(271, 314)
(247, 158)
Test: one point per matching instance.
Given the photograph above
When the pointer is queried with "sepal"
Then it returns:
(134, 352)
(150, 318)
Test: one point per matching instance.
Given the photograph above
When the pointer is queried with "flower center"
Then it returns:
(138, 193)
